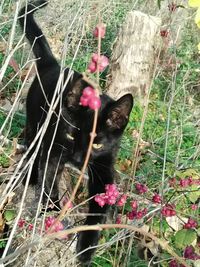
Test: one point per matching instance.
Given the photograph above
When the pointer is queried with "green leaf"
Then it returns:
(9, 215)
(2, 244)
(193, 196)
(185, 237)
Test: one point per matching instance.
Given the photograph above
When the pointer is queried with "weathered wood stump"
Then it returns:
(133, 58)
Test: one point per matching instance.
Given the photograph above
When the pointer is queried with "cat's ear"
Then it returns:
(119, 112)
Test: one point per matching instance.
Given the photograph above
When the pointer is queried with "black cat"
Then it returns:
(68, 133)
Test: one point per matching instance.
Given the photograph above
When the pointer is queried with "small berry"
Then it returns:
(134, 205)
(164, 33)
(168, 210)
(131, 215)
(92, 67)
(119, 219)
(84, 101)
(100, 30)
(189, 253)
(144, 211)
(141, 188)
(139, 215)
(30, 227)
(50, 222)
(194, 206)
(111, 200)
(121, 202)
(94, 102)
(184, 182)
(190, 224)
(21, 223)
(95, 58)
(103, 63)
(156, 198)
(173, 263)
(88, 92)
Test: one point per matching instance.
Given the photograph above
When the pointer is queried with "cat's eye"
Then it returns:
(70, 137)
(97, 146)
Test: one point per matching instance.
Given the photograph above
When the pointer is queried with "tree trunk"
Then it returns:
(133, 58)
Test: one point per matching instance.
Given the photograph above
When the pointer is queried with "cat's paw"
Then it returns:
(86, 240)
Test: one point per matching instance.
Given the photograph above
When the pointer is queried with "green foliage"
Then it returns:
(9, 215)
(15, 126)
(184, 238)
(2, 243)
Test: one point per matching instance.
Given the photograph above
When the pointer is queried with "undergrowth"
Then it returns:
(171, 133)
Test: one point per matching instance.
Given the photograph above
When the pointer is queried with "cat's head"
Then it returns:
(113, 117)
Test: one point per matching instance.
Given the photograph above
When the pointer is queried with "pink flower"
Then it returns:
(119, 219)
(121, 202)
(194, 207)
(21, 223)
(134, 205)
(92, 67)
(50, 222)
(141, 188)
(100, 30)
(30, 227)
(190, 224)
(168, 210)
(94, 102)
(164, 33)
(131, 215)
(90, 99)
(156, 198)
(101, 61)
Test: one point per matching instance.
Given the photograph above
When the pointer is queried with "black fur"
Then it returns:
(75, 121)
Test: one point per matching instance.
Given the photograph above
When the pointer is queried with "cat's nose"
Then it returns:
(78, 159)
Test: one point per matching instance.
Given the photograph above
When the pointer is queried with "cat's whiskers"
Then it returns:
(92, 170)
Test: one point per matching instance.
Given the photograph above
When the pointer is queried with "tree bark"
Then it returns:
(133, 57)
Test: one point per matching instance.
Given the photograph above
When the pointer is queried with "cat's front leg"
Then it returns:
(88, 240)
(51, 168)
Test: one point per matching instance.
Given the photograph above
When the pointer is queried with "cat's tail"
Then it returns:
(40, 46)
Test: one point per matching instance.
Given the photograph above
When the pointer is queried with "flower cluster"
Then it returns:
(168, 210)
(109, 197)
(184, 182)
(190, 224)
(164, 33)
(137, 214)
(22, 223)
(90, 99)
(174, 263)
(51, 223)
(100, 30)
(141, 188)
(189, 253)
(98, 61)
(156, 198)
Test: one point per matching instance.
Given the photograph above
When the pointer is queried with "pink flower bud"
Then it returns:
(134, 204)
(100, 30)
(84, 101)
(88, 92)
(94, 103)
(95, 58)
(92, 67)
(21, 223)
